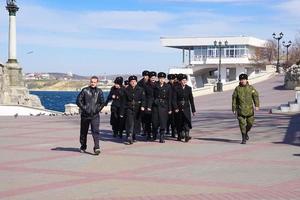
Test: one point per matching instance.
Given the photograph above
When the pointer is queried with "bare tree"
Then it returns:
(294, 52)
(265, 55)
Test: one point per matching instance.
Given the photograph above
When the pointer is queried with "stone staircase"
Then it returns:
(291, 107)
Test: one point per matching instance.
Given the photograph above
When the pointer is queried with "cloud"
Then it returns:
(290, 7)
(81, 21)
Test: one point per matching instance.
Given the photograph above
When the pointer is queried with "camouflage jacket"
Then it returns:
(243, 98)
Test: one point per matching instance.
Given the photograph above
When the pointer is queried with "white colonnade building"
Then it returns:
(202, 56)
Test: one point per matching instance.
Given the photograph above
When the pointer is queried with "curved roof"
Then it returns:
(189, 42)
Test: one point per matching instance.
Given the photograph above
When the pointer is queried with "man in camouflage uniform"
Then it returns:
(243, 98)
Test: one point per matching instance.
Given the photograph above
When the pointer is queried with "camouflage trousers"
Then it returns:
(245, 123)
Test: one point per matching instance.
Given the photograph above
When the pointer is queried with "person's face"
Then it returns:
(146, 78)
(153, 79)
(133, 83)
(117, 85)
(93, 82)
(161, 80)
(243, 82)
(172, 81)
(184, 82)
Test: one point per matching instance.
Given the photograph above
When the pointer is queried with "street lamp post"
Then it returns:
(220, 46)
(287, 45)
(278, 38)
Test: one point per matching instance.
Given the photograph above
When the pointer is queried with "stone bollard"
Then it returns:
(71, 109)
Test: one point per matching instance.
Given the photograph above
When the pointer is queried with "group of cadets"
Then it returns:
(152, 106)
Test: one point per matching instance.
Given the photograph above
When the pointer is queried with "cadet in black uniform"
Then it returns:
(133, 102)
(171, 119)
(152, 83)
(146, 115)
(162, 106)
(126, 83)
(183, 102)
(115, 96)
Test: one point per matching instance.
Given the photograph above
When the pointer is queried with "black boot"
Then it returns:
(187, 136)
(129, 139)
(148, 137)
(154, 136)
(120, 134)
(173, 133)
(115, 134)
(243, 139)
(179, 137)
(162, 137)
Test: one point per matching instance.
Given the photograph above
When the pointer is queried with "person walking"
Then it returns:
(245, 99)
(90, 101)
(183, 102)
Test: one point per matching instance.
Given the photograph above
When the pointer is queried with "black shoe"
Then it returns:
(243, 142)
(154, 137)
(162, 138)
(129, 139)
(115, 134)
(97, 151)
(187, 136)
(148, 137)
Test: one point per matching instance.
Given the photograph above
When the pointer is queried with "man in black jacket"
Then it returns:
(115, 96)
(133, 103)
(90, 100)
(183, 102)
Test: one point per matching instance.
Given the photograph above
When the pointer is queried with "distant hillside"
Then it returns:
(60, 76)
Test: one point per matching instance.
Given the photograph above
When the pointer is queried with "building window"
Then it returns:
(232, 51)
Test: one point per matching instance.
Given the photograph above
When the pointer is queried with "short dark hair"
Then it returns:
(94, 77)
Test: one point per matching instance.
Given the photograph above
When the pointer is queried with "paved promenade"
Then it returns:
(39, 157)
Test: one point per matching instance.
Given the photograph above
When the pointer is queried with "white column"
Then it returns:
(12, 45)
(223, 74)
(239, 70)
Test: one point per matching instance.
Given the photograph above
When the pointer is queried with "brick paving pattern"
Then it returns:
(40, 159)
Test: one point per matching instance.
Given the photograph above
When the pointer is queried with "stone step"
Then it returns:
(291, 102)
(294, 107)
(276, 111)
(284, 108)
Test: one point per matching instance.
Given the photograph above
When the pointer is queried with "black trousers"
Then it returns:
(147, 120)
(171, 122)
(116, 121)
(84, 128)
(159, 118)
(182, 123)
(133, 122)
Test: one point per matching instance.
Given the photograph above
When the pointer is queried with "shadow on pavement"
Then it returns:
(69, 149)
(279, 87)
(296, 154)
(219, 140)
(292, 135)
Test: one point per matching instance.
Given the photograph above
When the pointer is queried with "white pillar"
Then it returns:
(12, 46)
(239, 70)
(12, 37)
(223, 74)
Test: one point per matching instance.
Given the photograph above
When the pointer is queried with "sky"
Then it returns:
(89, 37)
